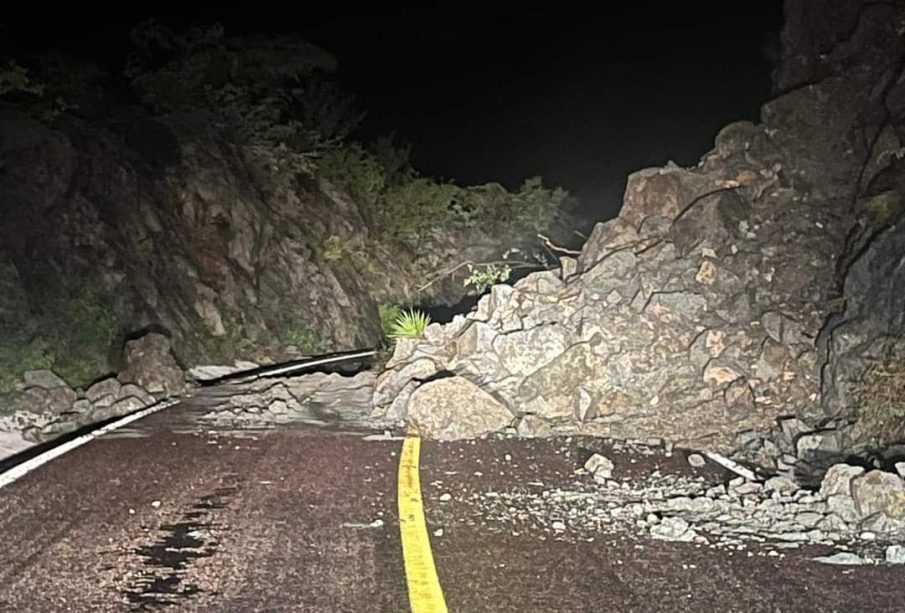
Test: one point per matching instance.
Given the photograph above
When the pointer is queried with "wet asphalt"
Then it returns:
(171, 516)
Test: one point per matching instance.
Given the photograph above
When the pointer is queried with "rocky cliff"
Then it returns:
(213, 199)
(212, 194)
(764, 282)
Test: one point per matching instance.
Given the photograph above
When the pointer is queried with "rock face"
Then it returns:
(208, 243)
(148, 362)
(711, 304)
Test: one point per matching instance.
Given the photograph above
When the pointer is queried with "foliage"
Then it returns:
(54, 84)
(406, 206)
(261, 91)
(18, 355)
(882, 413)
(355, 170)
(294, 331)
(389, 314)
(884, 207)
(86, 327)
(409, 324)
(395, 159)
(14, 79)
(222, 349)
(335, 247)
(75, 331)
(482, 278)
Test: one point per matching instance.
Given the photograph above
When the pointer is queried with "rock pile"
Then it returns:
(313, 398)
(714, 303)
(48, 407)
(858, 512)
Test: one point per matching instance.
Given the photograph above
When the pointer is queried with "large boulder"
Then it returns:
(454, 408)
(148, 362)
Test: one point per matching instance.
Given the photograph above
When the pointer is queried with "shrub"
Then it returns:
(75, 331)
(14, 79)
(18, 355)
(388, 313)
(262, 91)
(409, 324)
(405, 206)
(882, 412)
(295, 331)
(335, 247)
(482, 278)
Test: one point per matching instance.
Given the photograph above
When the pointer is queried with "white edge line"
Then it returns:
(279, 370)
(20, 470)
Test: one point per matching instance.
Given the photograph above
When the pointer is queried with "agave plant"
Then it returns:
(409, 324)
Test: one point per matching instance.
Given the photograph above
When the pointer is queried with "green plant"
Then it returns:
(71, 333)
(296, 332)
(14, 79)
(395, 159)
(335, 248)
(261, 91)
(388, 313)
(482, 278)
(83, 329)
(884, 207)
(409, 324)
(18, 355)
(402, 205)
(882, 412)
(355, 170)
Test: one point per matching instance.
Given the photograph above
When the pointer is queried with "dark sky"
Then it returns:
(505, 90)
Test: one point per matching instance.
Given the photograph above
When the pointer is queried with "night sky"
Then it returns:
(505, 90)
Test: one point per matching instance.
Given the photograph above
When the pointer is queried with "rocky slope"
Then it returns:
(213, 248)
(168, 206)
(763, 282)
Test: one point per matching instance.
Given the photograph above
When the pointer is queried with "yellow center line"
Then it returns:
(425, 593)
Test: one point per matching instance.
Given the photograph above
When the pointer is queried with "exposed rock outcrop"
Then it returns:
(222, 253)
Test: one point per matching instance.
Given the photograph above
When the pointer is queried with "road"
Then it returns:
(167, 516)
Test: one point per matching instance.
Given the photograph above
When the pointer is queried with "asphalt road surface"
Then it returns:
(165, 516)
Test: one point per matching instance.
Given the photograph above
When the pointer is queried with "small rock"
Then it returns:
(446, 497)
(792, 427)
(745, 487)
(819, 445)
(120, 407)
(672, 529)
(600, 466)
(558, 526)
(783, 485)
(876, 492)
(45, 379)
(81, 406)
(136, 391)
(895, 554)
(104, 388)
(438, 532)
(842, 558)
(867, 536)
(838, 480)
(155, 504)
(696, 460)
(809, 519)
(900, 469)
